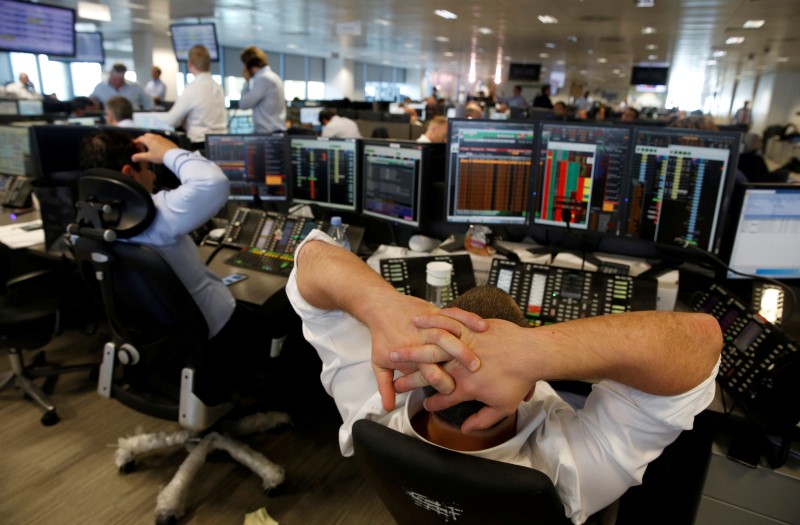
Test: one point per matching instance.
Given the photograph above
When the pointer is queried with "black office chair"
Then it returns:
(424, 484)
(160, 361)
(32, 312)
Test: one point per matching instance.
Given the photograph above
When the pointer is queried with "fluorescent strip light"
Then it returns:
(648, 30)
(644, 3)
(753, 24)
(485, 31)
(734, 40)
(447, 15)
(547, 19)
(719, 54)
(92, 11)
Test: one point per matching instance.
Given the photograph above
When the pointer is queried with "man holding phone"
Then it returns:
(262, 92)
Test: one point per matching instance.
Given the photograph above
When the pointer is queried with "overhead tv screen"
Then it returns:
(649, 76)
(89, 49)
(186, 36)
(524, 72)
(36, 28)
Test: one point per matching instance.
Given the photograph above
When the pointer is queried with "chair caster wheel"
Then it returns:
(166, 520)
(128, 467)
(50, 418)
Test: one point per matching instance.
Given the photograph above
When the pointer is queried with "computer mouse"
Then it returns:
(422, 243)
(216, 234)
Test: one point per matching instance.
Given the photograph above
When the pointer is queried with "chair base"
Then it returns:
(171, 501)
(22, 376)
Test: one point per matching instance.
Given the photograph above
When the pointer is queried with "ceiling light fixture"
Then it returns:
(734, 40)
(447, 15)
(448, 53)
(648, 30)
(602, 60)
(484, 31)
(783, 59)
(547, 19)
(753, 24)
(644, 3)
(92, 11)
(382, 22)
(550, 45)
(442, 39)
(543, 55)
(572, 38)
(652, 57)
(651, 47)
(719, 54)
(712, 62)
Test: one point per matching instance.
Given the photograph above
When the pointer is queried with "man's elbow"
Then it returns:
(709, 340)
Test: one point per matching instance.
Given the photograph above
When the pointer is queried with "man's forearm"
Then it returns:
(661, 353)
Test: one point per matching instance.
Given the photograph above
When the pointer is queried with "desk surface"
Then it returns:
(259, 289)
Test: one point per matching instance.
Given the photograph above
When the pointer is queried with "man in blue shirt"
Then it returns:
(117, 86)
(263, 92)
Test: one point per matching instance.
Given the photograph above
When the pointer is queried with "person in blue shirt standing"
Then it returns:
(263, 92)
(117, 86)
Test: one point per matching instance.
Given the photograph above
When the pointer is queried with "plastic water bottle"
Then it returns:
(339, 232)
(437, 280)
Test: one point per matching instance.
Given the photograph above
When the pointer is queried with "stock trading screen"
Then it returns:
(678, 183)
(489, 166)
(392, 175)
(582, 169)
(324, 171)
(253, 163)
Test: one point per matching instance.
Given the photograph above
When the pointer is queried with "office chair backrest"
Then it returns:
(146, 303)
(424, 484)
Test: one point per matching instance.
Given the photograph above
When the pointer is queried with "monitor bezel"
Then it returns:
(214, 53)
(77, 57)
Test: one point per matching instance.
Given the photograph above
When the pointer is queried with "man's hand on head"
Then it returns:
(153, 146)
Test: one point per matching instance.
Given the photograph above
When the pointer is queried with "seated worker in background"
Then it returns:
(630, 114)
(436, 132)
(560, 109)
(337, 127)
(592, 455)
(203, 191)
(262, 92)
(201, 107)
(473, 110)
(22, 89)
(119, 112)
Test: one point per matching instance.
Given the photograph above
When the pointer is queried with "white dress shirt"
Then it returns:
(156, 89)
(203, 191)
(264, 94)
(202, 106)
(130, 90)
(341, 128)
(592, 455)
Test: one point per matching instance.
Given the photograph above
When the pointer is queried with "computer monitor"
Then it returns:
(489, 171)
(151, 120)
(9, 107)
(582, 169)
(679, 182)
(30, 107)
(766, 239)
(14, 149)
(240, 121)
(324, 171)
(310, 115)
(255, 164)
(394, 174)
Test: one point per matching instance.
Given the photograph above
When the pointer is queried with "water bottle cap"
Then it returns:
(438, 273)
(336, 221)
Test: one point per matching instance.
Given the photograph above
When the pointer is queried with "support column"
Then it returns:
(339, 78)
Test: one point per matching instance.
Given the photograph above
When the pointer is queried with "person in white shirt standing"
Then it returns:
(201, 107)
(156, 88)
(262, 92)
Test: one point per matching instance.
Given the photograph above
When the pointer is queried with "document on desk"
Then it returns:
(22, 234)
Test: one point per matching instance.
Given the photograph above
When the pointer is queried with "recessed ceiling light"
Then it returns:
(783, 59)
(560, 62)
(547, 19)
(644, 3)
(734, 40)
(484, 31)
(615, 71)
(648, 30)
(93, 11)
(543, 55)
(448, 53)
(651, 47)
(442, 39)
(550, 45)
(582, 71)
(712, 62)
(382, 22)
(572, 38)
(444, 13)
(652, 57)
(753, 24)
(719, 54)
(602, 60)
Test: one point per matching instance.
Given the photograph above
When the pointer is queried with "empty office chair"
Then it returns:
(32, 312)
(160, 361)
(424, 484)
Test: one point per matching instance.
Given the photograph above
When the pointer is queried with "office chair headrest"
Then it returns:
(123, 205)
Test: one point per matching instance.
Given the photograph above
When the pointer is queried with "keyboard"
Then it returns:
(277, 263)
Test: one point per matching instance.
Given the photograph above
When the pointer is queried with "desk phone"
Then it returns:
(548, 294)
(267, 240)
(15, 191)
(408, 274)
(760, 365)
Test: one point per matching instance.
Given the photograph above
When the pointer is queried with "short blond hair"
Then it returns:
(200, 58)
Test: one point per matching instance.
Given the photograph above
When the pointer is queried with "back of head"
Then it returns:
(696, 122)
(254, 57)
(120, 108)
(325, 115)
(200, 58)
(109, 148)
(489, 303)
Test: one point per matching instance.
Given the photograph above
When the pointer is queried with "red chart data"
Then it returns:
(567, 183)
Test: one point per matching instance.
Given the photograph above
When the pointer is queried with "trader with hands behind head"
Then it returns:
(659, 369)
